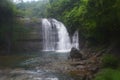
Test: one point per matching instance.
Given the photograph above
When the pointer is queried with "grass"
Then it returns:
(110, 61)
(108, 74)
(111, 68)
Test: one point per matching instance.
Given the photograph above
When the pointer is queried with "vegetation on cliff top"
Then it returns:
(96, 20)
(10, 27)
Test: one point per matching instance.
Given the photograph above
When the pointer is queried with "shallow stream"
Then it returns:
(37, 66)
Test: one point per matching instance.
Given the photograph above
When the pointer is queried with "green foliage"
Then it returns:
(108, 74)
(110, 61)
(10, 26)
(33, 9)
(97, 20)
(7, 13)
(111, 68)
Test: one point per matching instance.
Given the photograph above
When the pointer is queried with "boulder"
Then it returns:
(75, 54)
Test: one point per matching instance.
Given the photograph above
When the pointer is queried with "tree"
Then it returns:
(9, 25)
(97, 20)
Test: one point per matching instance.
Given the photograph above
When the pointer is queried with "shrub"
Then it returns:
(108, 74)
(110, 61)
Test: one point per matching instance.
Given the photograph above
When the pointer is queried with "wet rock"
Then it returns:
(75, 54)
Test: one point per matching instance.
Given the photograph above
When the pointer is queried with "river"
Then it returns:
(37, 66)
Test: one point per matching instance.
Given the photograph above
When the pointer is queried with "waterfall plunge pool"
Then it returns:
(36, 66)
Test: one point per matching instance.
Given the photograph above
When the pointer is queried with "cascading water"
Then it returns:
(55, 36)
(75, 40)
(47, 35)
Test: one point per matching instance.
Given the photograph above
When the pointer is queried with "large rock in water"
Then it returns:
(75, 54)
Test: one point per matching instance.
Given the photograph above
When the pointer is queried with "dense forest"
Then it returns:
(98, 23)
(10, 26)
(7, 23)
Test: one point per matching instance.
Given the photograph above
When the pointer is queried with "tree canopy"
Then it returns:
(33, 9)
(97, 20)
(9, 25)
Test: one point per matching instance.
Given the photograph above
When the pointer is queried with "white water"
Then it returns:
(75, 40)
(55, 36)
(48, 42)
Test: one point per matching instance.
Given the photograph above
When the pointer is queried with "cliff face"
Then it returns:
(30, 40)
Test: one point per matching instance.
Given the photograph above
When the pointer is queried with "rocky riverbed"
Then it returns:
(49, 66)
(40, 66)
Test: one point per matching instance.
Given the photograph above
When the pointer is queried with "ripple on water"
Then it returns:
(46, 79)
(44, 67)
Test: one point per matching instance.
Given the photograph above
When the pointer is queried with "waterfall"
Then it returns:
(75, 40)
(48, 38)
(55, 36)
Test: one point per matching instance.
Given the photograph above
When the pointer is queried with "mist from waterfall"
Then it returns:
(55, 36)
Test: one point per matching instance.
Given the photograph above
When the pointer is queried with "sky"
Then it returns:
(17, 1)
(29, 0)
